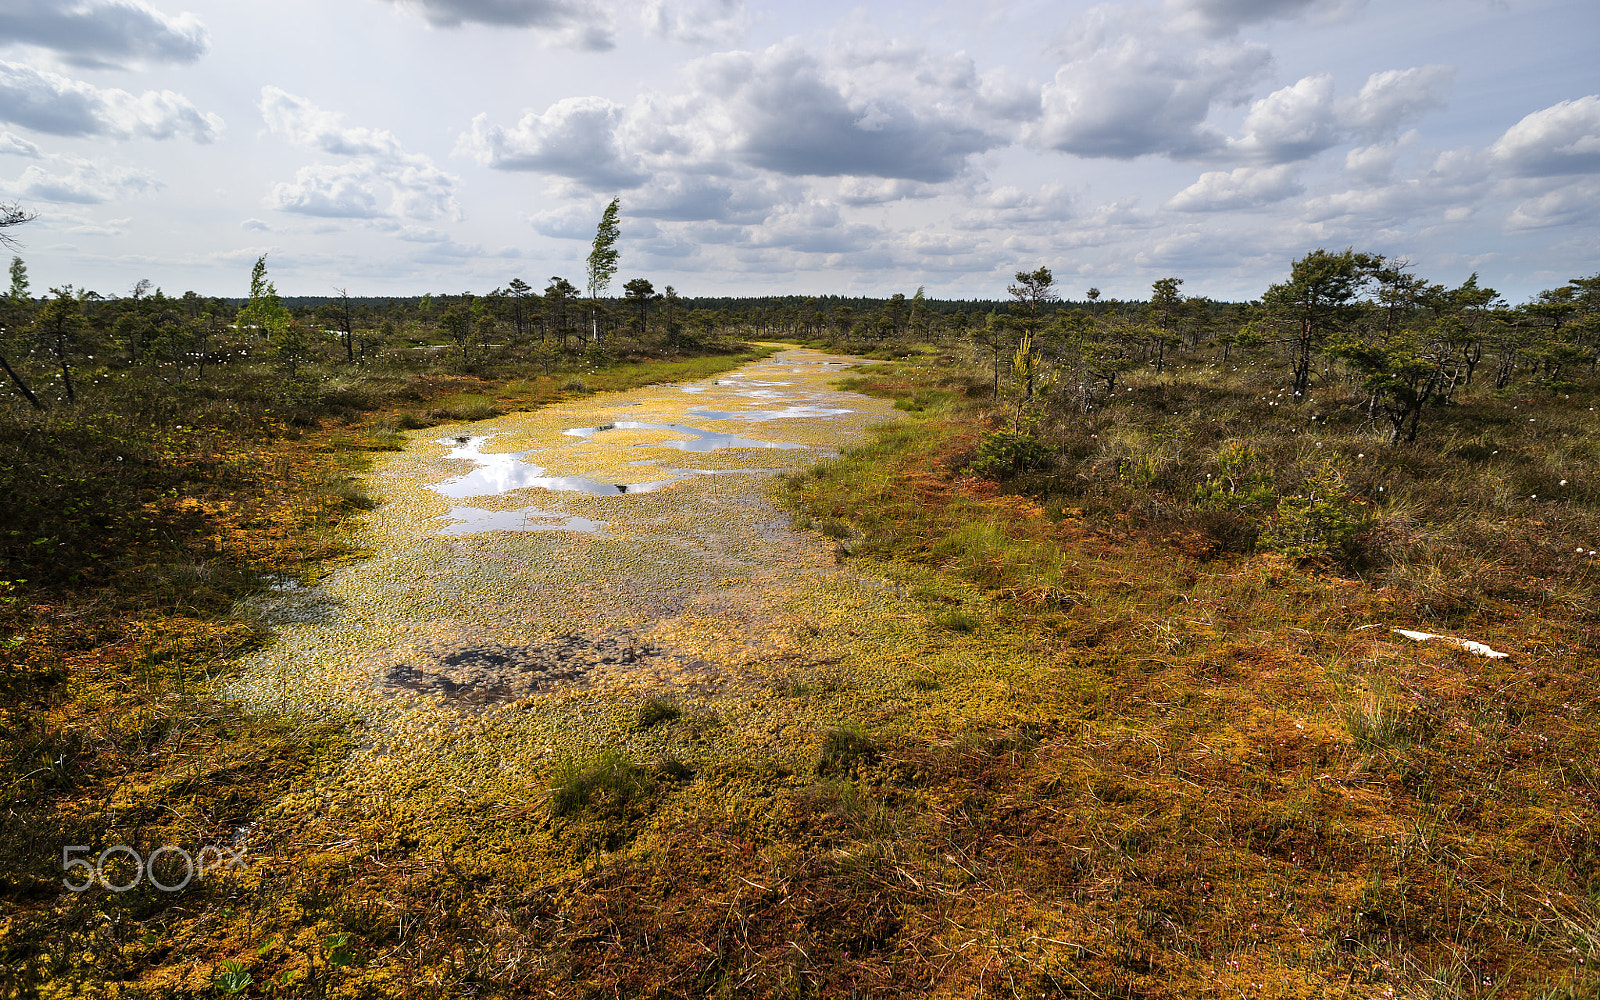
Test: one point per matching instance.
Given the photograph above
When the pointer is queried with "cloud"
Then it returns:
(90, 227)
(335, 191)
(814, 227)
(101, 33)
(857, 191)
(572, 222)
(571, 23)
(1372, 165)
(1138, 81)
(1560, 140)
(1009, 208)
(1225, 17)
(1396, 97)
(1131, 87)
(304, 124)
(1572, 204)
(255, 226)
(576, 138)
(1303, 119)
(1290, 124)
(731, 145)
(1456, 181)
(50, 103)
(786, 116)
(74, 181)
(1242, 188)
(739, 197)
(706, 22)
(377, 178)
(15, 145)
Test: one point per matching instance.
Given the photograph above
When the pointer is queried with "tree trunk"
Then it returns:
(22, 386)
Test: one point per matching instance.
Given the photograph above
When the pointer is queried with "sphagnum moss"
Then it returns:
(475, 661)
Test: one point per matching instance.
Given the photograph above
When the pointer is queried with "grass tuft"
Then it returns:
(656, 709)
(606, 784)
(465, 406)
(845, 751)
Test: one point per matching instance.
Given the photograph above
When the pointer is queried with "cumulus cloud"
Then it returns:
(1375, 164)
(1137, 81)
(1559, 140)
(51, 103)
(738, 197)
(1396, 97)
(1225, 17)
(738, 142)
(857, 191)
(1453, 181)
(304, 124)
(1242, 188)
(569, 222)
(101, 33)
(1010, 207)
(706, 22)
(787, 116)
(1303, 119)
(1572, 204)
(15, 145)
(376, 178)
(576, 138)
(813, 227)
(75, 181)
(1292, 123)
(1131, 87)
(336, 191)
(572, 23)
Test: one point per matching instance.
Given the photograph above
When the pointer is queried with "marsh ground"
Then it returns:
(891, 729)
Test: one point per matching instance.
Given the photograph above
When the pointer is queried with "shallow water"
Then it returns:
(588, 566)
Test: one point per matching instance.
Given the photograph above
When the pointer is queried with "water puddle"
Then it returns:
(480, 593)
(508, 471)
(475, 520)
(788, 412)
(505, 472)
(700, 439)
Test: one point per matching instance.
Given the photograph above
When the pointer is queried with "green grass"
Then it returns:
(657, 709)
(464, 406)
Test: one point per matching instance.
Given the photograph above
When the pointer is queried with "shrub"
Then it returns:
(1322, 517)
(1236, 486)
(1003, 454)
(575, 385)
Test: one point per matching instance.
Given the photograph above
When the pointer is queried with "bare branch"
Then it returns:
(13, 215)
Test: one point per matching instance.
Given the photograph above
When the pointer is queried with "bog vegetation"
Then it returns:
(1161, 741)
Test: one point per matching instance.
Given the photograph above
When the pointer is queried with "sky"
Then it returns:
(395, 147)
